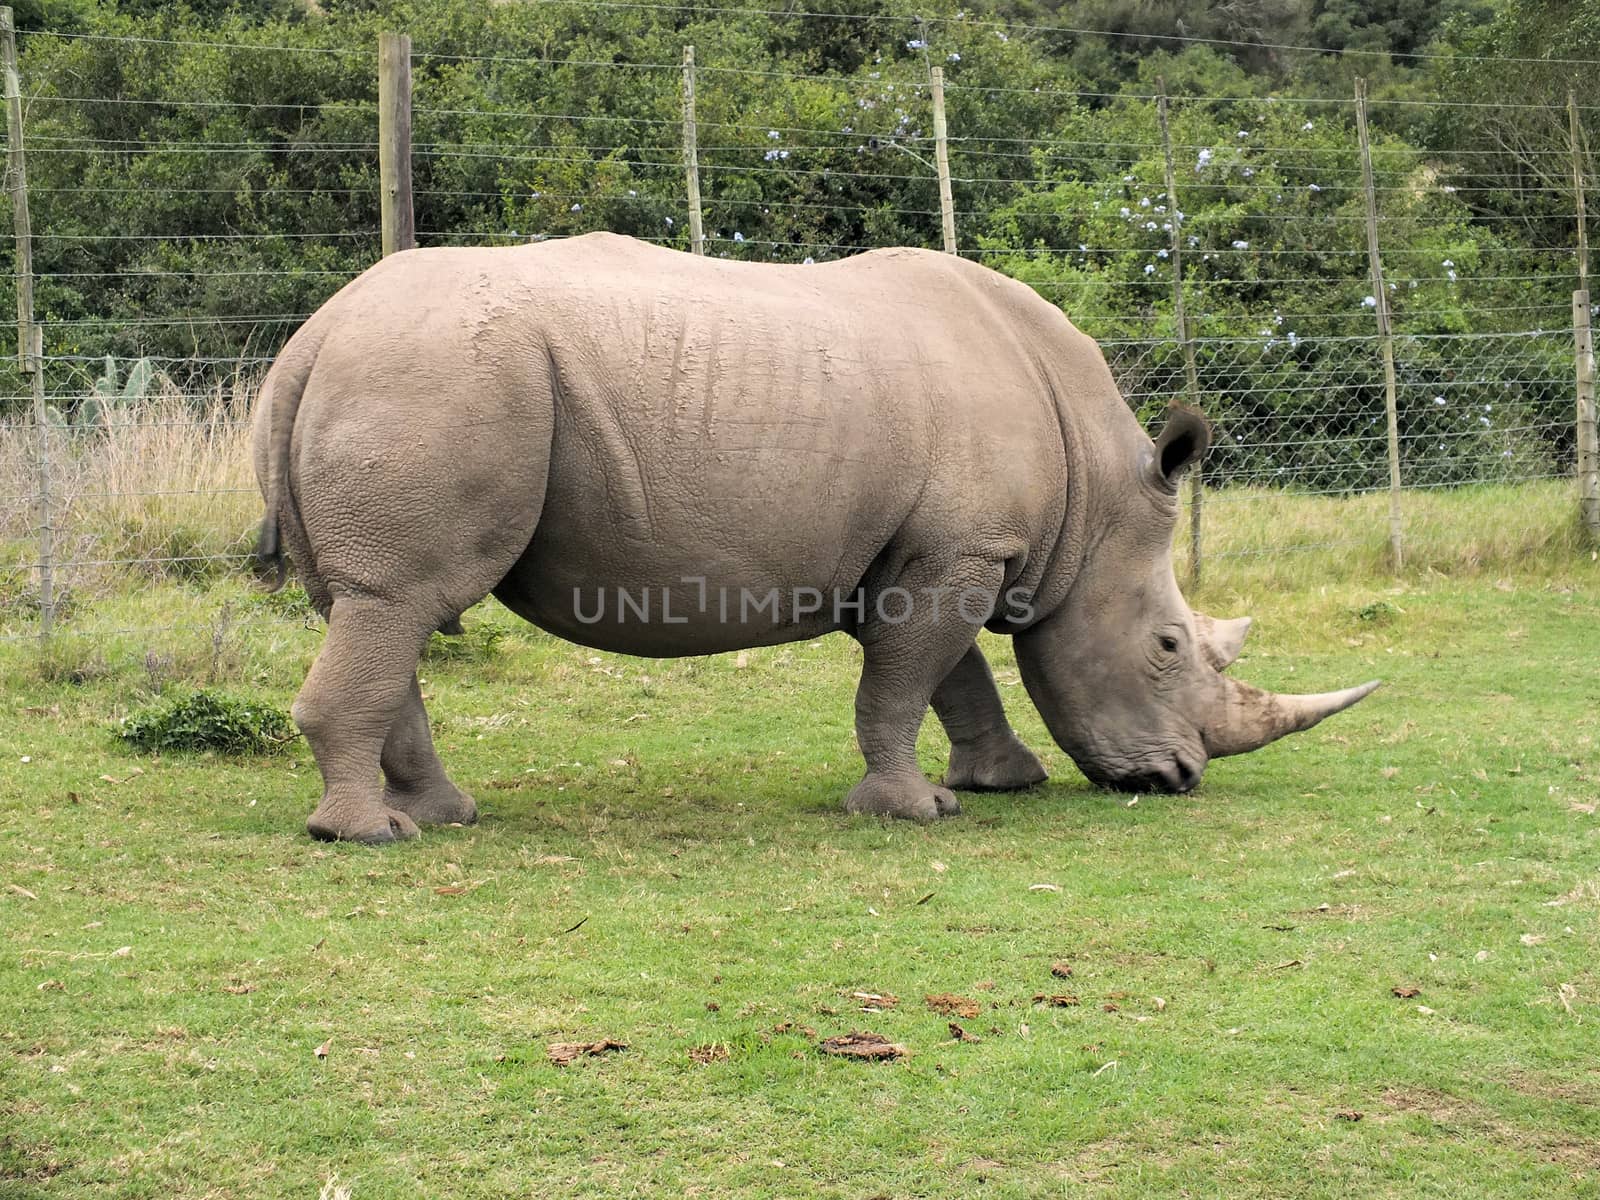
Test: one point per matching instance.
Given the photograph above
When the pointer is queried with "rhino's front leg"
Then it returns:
(415, 782)
(985, 755)
(914, 634)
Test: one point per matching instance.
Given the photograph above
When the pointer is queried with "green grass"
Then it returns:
(1440, 836)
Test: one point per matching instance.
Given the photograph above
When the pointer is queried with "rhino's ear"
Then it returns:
(1182, 442)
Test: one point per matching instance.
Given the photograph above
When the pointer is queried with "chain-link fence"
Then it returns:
(186, 218)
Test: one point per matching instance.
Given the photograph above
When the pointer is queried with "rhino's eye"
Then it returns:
(1169, 644)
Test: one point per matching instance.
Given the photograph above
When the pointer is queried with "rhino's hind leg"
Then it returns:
(907, 654)
(985, 755)
(415, 782)
(358, 689)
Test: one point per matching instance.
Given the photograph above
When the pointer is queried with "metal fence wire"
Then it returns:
(1302, 261)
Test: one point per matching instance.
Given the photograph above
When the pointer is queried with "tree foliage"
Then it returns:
(204, 175)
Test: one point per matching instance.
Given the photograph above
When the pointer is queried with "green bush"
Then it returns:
(206, 720)
(475, 643)
(288, 601)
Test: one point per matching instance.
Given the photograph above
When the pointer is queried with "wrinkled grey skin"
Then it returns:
(599, 413)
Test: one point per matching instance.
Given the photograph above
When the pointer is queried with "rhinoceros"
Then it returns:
(650, 452)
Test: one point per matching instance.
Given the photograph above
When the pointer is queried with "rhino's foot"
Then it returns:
(372, 823)
(994, 765)
(909, 796)
(443, 804)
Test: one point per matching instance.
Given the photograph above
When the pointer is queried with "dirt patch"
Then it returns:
(29, 1162)
(1583, 1088)
(1454, 1112)
(947, 1004)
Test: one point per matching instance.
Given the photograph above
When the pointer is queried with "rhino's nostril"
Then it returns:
(1187, 776)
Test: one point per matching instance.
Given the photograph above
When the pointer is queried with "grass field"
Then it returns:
(662, 861)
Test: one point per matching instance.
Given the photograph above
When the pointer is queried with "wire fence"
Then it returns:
(177, 239)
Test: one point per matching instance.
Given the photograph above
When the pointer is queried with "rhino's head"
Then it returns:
(1126, 676)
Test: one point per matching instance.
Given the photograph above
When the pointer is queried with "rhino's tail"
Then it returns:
(275, 416)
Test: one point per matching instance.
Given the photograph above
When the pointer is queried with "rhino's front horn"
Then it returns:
(1251, 718)
(1220, 641)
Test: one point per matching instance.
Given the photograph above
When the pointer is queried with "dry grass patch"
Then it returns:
(166, 488)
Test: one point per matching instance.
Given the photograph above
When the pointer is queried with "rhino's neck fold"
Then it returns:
(1063, 560)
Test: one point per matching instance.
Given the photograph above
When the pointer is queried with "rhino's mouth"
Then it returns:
(1175, 777)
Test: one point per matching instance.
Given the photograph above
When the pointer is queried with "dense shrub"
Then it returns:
(206, 720)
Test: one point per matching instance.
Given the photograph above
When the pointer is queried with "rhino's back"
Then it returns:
(753, 425)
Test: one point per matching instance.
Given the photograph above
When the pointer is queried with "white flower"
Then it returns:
(1311, 187)
(1083, 247)
(1000, 33)
(1124, 211)
(1127, 179)
(1452, 276)
(1306, 128)
(809, 261)
(774, 134)
(1193, 241)
(1369, 302)
(738, 237)
(1149, 268)
(632, 192)
(1203, 160)
(1150, 225)
(952, 57)
(1447, 263)
(1247, 172)
(669, 221)
(1439, 400)
(577, 208)
(1244, 133)
(916, 44)
(1144, 202)
(1238, 245)
(1161, 253)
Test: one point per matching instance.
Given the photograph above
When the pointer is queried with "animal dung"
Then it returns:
(563, 1053)
(863, 1045)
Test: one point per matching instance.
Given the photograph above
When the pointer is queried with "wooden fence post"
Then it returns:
(1191, 372)
(691, 157)
(1575, 138)
(1583, 344)
(1385, 330)
(941, 158)
(394, 141)
(1588, 435)
(30, 336)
